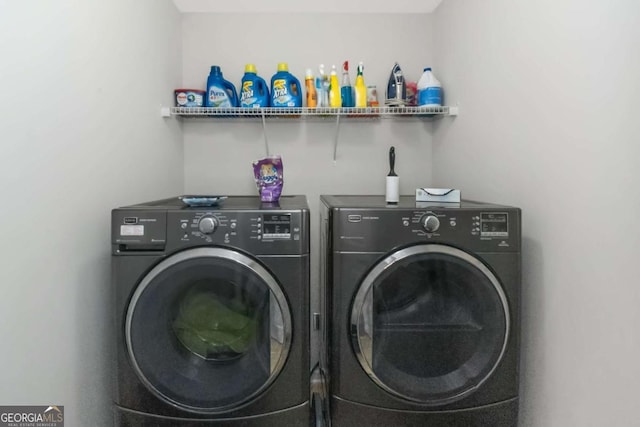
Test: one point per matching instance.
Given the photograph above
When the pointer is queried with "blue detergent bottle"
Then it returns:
(285, 88)
(220, 92)
(254, 91)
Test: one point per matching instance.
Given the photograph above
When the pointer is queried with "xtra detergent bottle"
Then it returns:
(254, 91)
(285, 88)
(220, 92)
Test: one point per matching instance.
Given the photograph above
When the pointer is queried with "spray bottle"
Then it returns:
(361, 88)
(346, 90)
(322, 87)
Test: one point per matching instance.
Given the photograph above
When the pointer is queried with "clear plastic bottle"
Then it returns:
(322, 87)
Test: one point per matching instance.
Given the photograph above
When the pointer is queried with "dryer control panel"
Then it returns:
(380, 230)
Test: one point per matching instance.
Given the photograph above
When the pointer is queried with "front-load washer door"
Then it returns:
(429, 323)
(208, 329)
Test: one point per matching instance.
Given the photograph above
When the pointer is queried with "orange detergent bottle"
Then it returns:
(312, 95)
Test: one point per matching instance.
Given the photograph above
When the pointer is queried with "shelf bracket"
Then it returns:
(335, 138)
(264, 134)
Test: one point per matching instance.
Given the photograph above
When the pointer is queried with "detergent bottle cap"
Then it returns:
(309, 74)
(283, 66)
(427, 69)
(215, 70)
(250, 68)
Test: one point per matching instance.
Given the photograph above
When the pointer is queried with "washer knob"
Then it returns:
(430, 223)
(208, 224)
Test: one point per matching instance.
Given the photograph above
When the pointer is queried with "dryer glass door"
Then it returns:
(429, 323)
(208, 329)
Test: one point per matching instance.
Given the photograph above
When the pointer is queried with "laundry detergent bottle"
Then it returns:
(220, 92)
(285, 88)
(254, 91)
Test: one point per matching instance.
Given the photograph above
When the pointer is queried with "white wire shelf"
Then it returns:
(304, 112)
(293, 113)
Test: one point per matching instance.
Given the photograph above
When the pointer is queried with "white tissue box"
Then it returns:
(448, 195)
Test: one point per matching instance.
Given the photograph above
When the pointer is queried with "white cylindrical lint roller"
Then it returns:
(392, 194)
(393, 189)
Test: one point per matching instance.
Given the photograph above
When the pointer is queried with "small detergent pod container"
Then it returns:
(254, 91)
(269, 177)
(220, 92)
(285, 88)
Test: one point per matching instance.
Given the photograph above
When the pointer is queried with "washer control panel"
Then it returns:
(248, 229)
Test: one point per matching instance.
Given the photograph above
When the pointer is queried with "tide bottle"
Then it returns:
(285, 88)
(254, 91)
(312, 94)
(220, 92)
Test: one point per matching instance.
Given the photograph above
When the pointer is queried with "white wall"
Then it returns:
(82, 84)
(548, 96)
(546, 90)
(218, 155)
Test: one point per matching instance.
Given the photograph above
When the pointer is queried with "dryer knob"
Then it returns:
(430, 223)
(208, 224)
